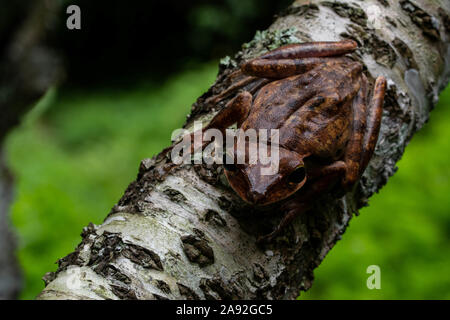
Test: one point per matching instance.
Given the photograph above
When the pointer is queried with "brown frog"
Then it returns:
(318, 98)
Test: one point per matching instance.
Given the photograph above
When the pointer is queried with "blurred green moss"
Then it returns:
(77, 151)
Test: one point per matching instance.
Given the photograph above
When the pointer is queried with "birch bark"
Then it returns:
(184, 234)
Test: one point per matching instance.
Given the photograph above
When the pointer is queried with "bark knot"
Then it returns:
(422, 19)
(197, 250)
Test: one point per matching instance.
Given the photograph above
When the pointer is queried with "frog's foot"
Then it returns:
(240, 82)
(287, 220)
(366, 127)
(293, 209)
(267, 238)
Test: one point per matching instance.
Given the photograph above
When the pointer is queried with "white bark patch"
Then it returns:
(373, 16)
(78, 283)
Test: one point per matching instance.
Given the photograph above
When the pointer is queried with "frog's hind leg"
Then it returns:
(373, 121)
(294, 209)
(311, 49)
(280, 63)
(366, 127)
(279, 69)
(295, 58)
(354, 149)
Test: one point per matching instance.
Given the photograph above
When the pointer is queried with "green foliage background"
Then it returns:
(76, 152)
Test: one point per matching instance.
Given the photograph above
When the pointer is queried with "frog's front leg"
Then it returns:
(322, 179)
(295, 58)
(366, 127)
(235, 111)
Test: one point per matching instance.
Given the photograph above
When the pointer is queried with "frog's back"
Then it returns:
(321, 128)
(274, 103)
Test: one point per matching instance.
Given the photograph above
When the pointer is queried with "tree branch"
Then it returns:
(184, 234)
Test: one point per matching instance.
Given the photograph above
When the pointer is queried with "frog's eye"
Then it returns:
(298, 175)
(228, 166)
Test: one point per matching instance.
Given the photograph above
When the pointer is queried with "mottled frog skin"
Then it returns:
(318, 98)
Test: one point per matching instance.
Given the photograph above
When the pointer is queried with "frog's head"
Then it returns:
(252, 183)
